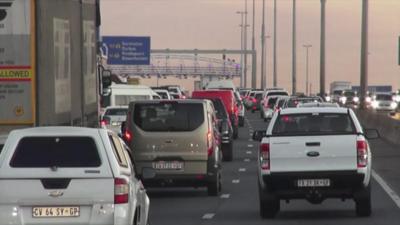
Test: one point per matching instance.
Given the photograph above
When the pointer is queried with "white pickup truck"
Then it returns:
(314, 154)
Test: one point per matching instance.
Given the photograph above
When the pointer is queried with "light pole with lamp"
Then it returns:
(307, 80)
(242, 78)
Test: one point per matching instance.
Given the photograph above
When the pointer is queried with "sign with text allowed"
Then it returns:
(124, 50)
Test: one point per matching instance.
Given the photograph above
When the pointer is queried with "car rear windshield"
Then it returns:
(337, 92)
(42, 152)
(272, 101)
(126, 99)
(277, 93)
(163, 95)
(259, 96)
(292, 103)
(168, 116)
(313, 124)
(116, 112)
(220, 108)
(384, 97)
(349, 94)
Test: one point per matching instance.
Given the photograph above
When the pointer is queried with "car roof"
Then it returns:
(57, 130)
(314, 110)
(190, 100)
(117, 107)
(318, 104)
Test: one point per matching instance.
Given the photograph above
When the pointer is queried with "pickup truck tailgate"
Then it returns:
(313, 153)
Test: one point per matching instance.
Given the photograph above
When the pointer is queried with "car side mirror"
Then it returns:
(259, 134)
(371, 134)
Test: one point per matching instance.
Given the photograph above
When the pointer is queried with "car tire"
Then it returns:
(269, 204)
(241, 121)
(362, 199)
(214, 186)
(227, 150)
(235, 132)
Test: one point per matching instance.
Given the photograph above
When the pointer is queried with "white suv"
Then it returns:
(69, 175)
(314, 154)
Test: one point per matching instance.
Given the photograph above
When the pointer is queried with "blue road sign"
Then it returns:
(124, 50)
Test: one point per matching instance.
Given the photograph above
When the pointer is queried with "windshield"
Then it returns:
(313, 124)
(384, 97)
(349, 94)
(116, 112)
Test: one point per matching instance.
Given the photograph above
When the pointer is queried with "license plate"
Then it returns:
(313, 183)
(72, 211)
(168, 165)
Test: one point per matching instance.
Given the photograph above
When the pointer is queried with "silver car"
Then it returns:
(69, 175)
(113, 117)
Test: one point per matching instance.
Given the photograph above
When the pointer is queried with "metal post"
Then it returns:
(294, 90)
(364, 53)
(307, 64)
(245, 43)
(322, 49)
(242, 82)
(275, 62)
(263, 46)
(253, 71)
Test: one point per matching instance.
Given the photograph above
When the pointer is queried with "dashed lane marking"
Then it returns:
(208, 216)
(242, 169)
(246, 160)
(249, 152)
(225, 196)
(392, 194)
(250, 145)
(236, 181)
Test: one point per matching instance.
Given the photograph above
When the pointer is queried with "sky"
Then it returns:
(214, 24)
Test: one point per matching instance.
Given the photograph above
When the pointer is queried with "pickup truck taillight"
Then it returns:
(121, 191)
(264, 156)
(362, 154)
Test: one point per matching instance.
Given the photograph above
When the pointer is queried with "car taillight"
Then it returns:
(362, 154)
(254, 100)
(103, 122)
(264, 156)
(121, 191)
(209, 144)
(128, 136)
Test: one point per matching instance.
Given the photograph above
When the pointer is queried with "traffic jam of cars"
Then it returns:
(158, 138)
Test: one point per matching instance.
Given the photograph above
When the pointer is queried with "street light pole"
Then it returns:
(307, 79)
(364, 53)
(275, 62)
(254, 74)
(245, 43)
(263, 46)
(242, 78)
(294, 50)
(322, 51)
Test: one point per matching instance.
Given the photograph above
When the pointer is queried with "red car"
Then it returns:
(228, 98)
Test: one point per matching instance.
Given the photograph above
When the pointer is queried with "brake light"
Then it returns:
(254, 100)
(103, 122)
(121, 191)
(128, 136)
(209, 144)
(362, 154)
(264, 156)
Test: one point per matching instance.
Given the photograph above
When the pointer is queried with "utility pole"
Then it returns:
(307, 77)
(294, 90)
(263, 46)
(242, 78)
(364, 53)
(275, 63)
(322, 53)
(245, 43)
(254, 75)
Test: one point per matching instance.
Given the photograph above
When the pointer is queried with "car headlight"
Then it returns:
(368, 99)
(374, 104)
(393, 105)
(397, 98)
(328, 98)
(356, 99)
(343, 99)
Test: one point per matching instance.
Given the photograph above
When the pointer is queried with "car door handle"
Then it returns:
(313, 144)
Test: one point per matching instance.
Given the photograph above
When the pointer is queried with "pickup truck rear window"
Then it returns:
(313, 124)
(42, 152)
(168, 116)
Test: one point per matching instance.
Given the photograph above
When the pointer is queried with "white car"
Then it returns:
(69, 175)
(3, 139)
(383, 101)
(163, 93)
(314, 154)
(113, 118)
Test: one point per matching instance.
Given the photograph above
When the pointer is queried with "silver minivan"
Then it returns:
(177, 141)
(69, 175)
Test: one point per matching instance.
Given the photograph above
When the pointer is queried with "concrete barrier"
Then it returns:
(388, 127)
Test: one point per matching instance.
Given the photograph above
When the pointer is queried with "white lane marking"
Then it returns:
(248, 152)
(250, 145)
(236, 181)
(225, 196)
(208, 216)
(250, 139)
(392, 194)
(242, 169)
(246, 160)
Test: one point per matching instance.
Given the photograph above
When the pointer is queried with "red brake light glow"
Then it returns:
(121, 191)
(264, 156)
(362, 154)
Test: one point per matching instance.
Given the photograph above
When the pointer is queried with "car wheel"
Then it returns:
(235, 133)
(362, 199)
(227, 150)
(214, 185)
(269, 204)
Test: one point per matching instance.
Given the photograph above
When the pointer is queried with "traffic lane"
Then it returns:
(186, 206)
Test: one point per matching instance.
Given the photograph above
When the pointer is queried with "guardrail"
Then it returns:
(388, 127)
